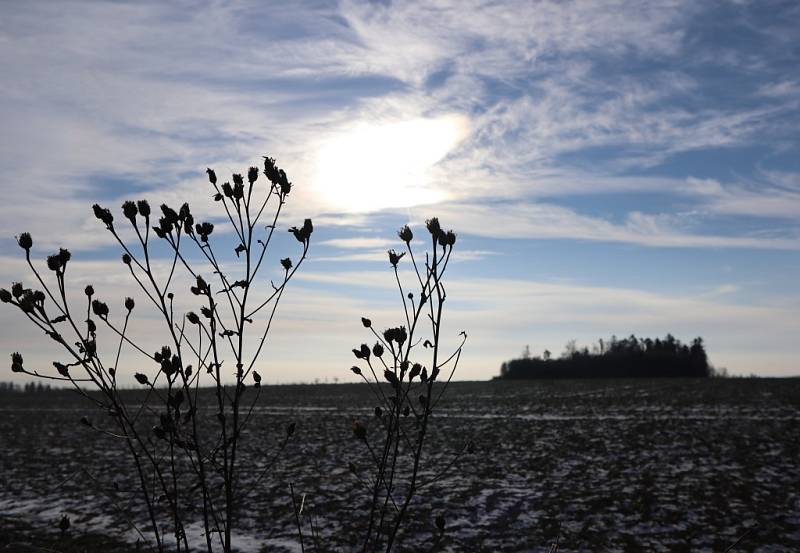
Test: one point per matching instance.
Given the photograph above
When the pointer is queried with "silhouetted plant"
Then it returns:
(186, 452)
(403, 370)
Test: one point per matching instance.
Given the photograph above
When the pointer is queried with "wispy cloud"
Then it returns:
(608, 122)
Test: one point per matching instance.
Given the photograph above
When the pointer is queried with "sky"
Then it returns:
(609, 167)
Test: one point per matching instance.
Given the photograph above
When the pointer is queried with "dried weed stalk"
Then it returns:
(407, 393)
(191, 454)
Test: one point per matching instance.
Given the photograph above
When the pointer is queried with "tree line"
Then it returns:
(28, 388)
(616, 358)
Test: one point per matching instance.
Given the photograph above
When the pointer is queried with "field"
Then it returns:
(633, 465)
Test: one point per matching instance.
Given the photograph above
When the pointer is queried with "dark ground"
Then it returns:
(620, 465)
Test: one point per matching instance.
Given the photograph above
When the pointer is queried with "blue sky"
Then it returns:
(610, 167)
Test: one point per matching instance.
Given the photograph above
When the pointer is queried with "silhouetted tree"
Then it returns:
(629, 357)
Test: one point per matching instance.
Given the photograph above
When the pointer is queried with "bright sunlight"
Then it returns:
(375, 166)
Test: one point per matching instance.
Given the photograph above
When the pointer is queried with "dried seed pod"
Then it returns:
(252, 175)
(391, 377)
(144, 208)
(405, 234)
(394, 257)
(104, 215)
(363, 352)
(359, 431)
(433, 226)
(439, 521)
(130, 211)
(99, 308)
(62, 369)
(25, 241)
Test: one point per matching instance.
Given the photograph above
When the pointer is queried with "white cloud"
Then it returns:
(546, 221)
(108, 101)
(141, 92)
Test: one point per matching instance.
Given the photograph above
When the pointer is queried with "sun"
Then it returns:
(374, 166)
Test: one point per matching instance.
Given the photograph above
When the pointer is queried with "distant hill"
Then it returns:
(625, 358)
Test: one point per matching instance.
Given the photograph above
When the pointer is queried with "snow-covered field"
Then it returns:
(655, 465)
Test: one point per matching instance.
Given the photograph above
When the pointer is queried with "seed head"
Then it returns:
(405, 234)
(252, 175)
(144, 208)
(362, 353)
(394, 257)
(129, 210)
(303, 234)
(16, 362)
(433, 226)
(25, 241)
(390, 377)
(104, 215)
(170, 215)
(99, 308)
(62, 369)
(64, 524)
(439, 521)
(360, 431)
(53, 262)
(204, 230)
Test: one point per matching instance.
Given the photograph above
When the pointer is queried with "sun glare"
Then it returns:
(377, 166)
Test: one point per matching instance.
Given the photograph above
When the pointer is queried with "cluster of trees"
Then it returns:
(28, 388)
(625, 358)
